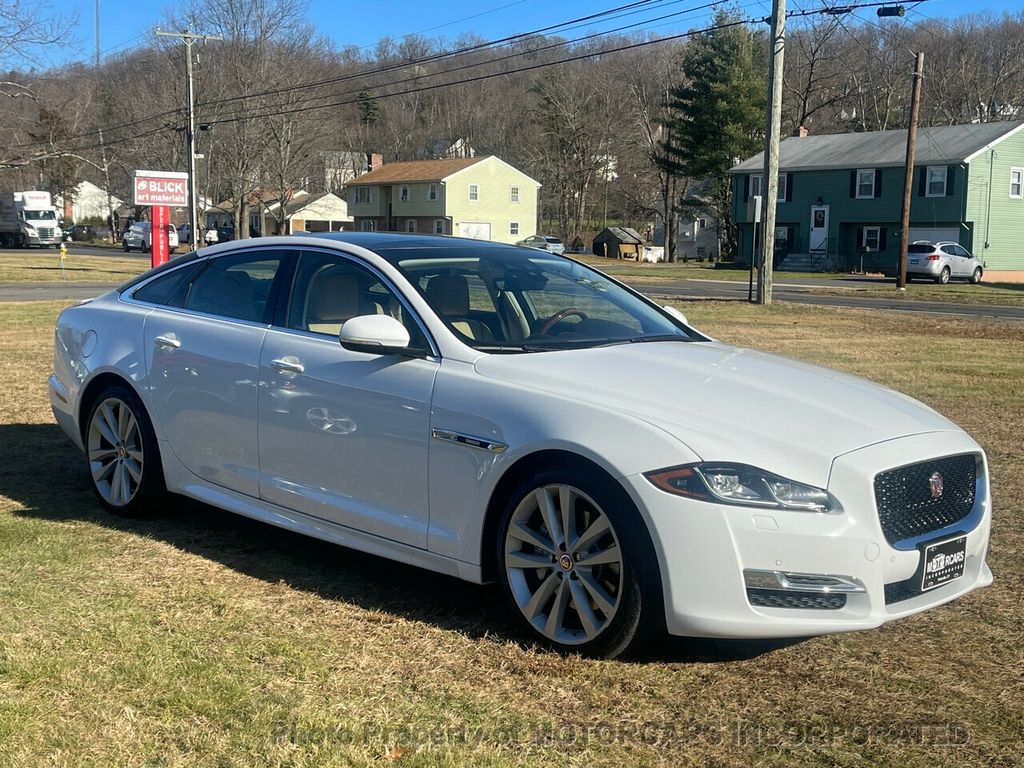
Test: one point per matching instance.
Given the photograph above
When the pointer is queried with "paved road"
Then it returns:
(799, 292)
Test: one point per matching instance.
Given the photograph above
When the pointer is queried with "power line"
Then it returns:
(492, 61)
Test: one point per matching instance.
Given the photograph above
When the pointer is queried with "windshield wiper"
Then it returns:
(645, 339)
(510, 348)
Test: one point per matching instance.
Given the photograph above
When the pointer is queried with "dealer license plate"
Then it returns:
(944, 562)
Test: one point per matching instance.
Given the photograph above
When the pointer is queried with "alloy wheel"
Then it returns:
(115, 451)
(563, 564)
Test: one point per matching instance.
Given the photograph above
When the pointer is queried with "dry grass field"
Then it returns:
(44, 266)
(197, 638)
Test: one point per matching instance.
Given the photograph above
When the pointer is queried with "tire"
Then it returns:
(943, 277)
(122, 454)
(146, 247)
(976, 276)
(620, 596)
(124, 244)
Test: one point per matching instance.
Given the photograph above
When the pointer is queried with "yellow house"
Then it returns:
(479, 197)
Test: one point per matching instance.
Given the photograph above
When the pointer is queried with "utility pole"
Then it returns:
(770, 175)
(908, 182)
(190, 130)
(103, 144)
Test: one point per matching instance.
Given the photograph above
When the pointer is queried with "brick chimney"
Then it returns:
(800, 131)
(375, 161)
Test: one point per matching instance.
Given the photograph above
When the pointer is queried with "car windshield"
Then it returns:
(502, 299)
(40, 215)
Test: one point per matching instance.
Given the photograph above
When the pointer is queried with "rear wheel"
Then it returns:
(122, 454)
(943, 277)
(577, 564)
(976, 276)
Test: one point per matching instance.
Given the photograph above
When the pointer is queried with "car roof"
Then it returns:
(391, 240)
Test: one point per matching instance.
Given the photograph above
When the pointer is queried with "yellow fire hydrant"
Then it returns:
(63, 255)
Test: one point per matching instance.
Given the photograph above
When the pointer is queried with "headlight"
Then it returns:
(742, 485)
(29, 229)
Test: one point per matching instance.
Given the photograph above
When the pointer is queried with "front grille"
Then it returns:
(780, 598)
(907, 506)
(45, 233)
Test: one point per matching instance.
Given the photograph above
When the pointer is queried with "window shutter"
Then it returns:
(950, 175)
(922, 182)
(789, 187)
(881, 238)
(878, 182)
(860, 239)
(853, 184)
(746, 187)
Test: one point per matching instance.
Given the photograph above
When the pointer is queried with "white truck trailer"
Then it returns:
(27, 219)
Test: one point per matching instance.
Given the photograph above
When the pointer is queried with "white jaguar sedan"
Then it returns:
(502, 413)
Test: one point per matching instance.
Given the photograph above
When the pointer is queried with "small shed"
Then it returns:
(619, 243)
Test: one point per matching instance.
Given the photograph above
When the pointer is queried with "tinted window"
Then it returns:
(164, 289)
(329, 289)
(920, 248)
(175, 262)
(949, 249)
(961, 251)
(235, 286)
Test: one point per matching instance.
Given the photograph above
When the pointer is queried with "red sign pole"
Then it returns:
(158, 233)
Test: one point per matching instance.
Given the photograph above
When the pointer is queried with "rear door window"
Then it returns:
(236, 286)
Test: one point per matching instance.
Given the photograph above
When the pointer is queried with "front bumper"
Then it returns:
(43, 241)
(704, 549)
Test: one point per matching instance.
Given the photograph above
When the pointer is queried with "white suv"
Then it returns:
(941, 261)
(139, 237)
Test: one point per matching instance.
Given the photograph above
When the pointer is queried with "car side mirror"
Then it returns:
(374, 334)
(676, 314)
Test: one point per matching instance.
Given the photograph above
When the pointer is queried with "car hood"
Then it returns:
(728, 403)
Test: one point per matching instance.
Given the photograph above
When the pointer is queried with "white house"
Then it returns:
(88, 201)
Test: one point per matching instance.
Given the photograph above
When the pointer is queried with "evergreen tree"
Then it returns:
(716, 115)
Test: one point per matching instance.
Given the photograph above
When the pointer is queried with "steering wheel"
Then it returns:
(561, 315)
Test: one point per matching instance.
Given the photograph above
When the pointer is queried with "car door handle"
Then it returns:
(170, 341)
(287, 365)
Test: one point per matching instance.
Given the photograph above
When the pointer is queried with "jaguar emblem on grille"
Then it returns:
(935, 483)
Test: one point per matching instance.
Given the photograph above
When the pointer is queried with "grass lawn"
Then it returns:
(198, 638)
(44, 267)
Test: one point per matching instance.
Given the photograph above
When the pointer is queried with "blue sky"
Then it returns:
(126, 23)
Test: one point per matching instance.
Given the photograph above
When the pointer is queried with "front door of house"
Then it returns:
(819, 229)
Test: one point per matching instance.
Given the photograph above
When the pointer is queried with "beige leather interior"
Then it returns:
(334, 298)
(450, 296)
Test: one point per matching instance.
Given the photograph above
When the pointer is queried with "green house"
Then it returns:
(840, 197)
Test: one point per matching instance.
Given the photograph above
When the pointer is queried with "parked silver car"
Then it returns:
(545, 243)
(139, 237)
(942, 261)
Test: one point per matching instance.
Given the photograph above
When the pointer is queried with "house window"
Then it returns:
(410, 225)
(872, 238)
(438, 226)
(474, 191)
(936, 181)
(513, 194)
(432, 192)
(755, 185)
(368, 225)
(1017, 183)
(865, 183)
(513, 228)
(702, 223)
(362, 194)
(403, 194)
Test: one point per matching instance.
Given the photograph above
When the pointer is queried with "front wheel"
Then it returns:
(943, 277)
(124, 244)
(122, 454)
(577, 564)
(976, 276)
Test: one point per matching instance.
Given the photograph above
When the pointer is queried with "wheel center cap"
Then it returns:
(565, 562)
(121, 452)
